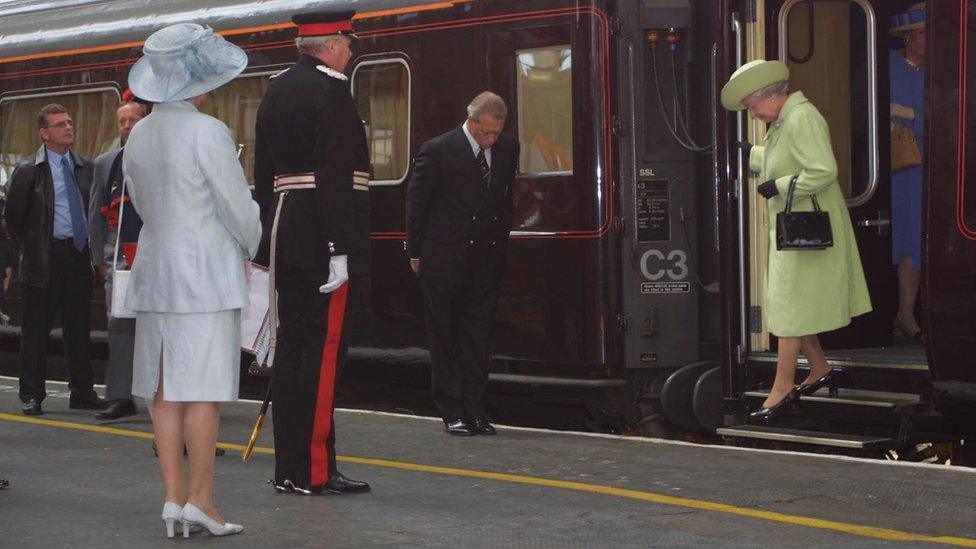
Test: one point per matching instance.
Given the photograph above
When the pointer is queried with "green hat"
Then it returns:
(749, 79)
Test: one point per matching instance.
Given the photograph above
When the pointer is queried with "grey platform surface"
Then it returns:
(73, 487)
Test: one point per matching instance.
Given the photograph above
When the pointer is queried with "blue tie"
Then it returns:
(78, 225)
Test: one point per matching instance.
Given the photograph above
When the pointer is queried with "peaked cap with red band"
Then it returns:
(325, 23)
(128, 96)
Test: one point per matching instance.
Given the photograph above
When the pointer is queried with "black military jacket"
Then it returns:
(455, 226)
(307, 122)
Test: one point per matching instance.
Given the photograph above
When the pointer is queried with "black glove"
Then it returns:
(745, 146)
(768, 189)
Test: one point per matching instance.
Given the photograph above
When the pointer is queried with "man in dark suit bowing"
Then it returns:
(459, 214)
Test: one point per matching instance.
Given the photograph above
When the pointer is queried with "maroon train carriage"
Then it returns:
(636, 265)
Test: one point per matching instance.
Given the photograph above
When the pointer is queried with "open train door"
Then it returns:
(838, 52)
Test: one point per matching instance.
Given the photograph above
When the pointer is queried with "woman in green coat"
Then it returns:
(807, 291)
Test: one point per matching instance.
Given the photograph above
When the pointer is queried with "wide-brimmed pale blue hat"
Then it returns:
(183, 61)
(911, 19)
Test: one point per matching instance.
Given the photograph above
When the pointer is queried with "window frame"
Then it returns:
(14, 95)
(518, 107)
(257, 72)
(60, 91)
(389, 58)
(870, 19)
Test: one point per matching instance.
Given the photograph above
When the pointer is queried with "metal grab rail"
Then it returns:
(742, 193)
(872, 64)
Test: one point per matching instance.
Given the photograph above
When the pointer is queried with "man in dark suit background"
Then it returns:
(47, 214)
(459, 214)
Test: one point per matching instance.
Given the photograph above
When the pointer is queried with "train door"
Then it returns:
(838, 52)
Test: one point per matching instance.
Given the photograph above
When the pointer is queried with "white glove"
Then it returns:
(338, 274)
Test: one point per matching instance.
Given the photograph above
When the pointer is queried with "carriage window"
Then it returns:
(837, 71)
(382, 93)
(236, 104)
(545, 109)
(93, 112)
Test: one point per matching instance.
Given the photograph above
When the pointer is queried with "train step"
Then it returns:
(813, 438)
(856, 397)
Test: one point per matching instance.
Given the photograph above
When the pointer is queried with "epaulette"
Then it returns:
(277, 74)
(332, 72)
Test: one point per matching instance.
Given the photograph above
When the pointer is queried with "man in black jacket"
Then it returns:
(46, 213)
(312, 157)
(459, 214)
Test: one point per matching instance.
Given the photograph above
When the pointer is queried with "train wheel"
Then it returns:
(677, 395)
(706, 403)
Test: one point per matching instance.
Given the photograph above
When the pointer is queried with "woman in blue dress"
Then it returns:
(907, 109)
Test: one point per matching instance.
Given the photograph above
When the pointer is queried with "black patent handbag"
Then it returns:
(803, 230)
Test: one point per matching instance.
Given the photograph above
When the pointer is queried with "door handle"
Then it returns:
(882, 222)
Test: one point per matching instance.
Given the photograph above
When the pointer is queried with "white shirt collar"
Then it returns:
(474, 143)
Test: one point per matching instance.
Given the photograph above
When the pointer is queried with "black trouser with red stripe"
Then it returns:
(309, 353)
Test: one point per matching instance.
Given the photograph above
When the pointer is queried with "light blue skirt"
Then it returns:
(200, 355)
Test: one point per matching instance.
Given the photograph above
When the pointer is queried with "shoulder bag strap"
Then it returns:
(118, 232)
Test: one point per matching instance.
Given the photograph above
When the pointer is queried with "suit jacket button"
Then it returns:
(495, 218)
(474, 218)
(471, 243)
(492, 242)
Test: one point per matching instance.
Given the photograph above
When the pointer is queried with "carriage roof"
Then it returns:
(29, 27)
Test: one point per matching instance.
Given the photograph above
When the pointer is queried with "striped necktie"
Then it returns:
(483, 166)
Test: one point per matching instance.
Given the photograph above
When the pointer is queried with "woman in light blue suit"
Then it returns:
(188, 283)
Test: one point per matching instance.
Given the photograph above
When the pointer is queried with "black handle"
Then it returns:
(789, 197)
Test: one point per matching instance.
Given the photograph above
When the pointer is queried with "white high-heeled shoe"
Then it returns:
(171, 515)
(191, 516)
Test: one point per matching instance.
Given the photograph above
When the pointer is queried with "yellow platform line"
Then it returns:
(702, 505)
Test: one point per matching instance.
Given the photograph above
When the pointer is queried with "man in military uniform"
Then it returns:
(459, 214)
(311, 146)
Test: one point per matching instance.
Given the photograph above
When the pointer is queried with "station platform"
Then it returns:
(77, 481)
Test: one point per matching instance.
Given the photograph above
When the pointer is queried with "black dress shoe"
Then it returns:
(339, 484)
(4, 483)
(89, 401)
(458, 427)
(810, 388)
(482, 427)
(32, 407)
(117, 409)
(770, 412)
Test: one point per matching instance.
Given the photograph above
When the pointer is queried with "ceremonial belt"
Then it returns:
(294, 182)
(282, 185)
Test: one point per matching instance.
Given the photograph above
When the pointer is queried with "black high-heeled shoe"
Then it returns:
(806, 389)
(902, 331)
(770, 412)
